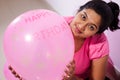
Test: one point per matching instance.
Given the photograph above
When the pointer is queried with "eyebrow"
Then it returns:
(87, 17)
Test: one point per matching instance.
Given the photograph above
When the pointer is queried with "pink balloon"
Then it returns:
(38, 44)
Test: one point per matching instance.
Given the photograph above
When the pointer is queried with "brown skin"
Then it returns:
(85, 24)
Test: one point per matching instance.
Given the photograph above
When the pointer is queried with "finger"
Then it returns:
(10, 68)
(72, 62)
(17, 75)
(68, 66)
(66, 77)
(69, 73)
(71, 68)
(71, 65)
(13, 72)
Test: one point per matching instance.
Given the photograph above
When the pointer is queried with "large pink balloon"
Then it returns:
(38, 44)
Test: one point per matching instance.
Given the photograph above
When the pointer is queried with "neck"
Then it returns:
(79, 39)
(78, 43)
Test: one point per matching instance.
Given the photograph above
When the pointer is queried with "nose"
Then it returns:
(82, 26)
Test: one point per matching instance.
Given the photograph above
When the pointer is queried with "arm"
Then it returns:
(98, 68)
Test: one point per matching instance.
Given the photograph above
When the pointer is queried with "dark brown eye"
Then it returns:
(83, 17)
(91, 27)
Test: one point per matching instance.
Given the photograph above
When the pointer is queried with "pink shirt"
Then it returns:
(93, 48)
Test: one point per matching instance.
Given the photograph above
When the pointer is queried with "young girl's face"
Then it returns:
(86, 23)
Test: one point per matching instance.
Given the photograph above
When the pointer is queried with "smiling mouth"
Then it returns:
(77, 30)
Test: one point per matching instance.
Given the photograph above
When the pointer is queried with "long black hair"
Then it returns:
(109, 13)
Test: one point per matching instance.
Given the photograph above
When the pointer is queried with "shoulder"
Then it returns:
(98, 46)
(98, 38)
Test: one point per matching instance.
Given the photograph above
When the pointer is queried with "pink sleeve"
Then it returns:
(98, 46)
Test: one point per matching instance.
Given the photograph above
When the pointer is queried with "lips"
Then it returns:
(77, 30)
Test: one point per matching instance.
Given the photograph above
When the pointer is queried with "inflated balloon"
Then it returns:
(38, 44)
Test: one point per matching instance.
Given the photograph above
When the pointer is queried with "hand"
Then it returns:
(69, 72)
(14, 73)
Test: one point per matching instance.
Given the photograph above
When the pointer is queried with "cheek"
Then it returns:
(76, 20)
(72, 23)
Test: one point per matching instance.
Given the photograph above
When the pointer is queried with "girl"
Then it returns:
(91, 45)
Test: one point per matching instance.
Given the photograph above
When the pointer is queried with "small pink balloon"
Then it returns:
(38, 45)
